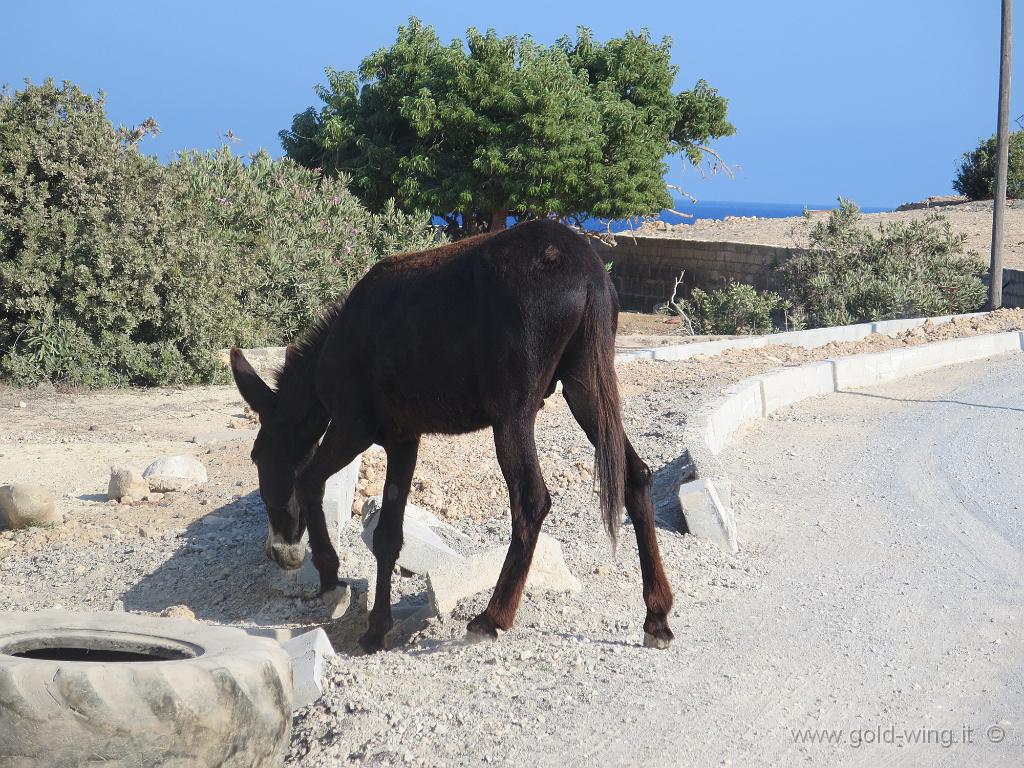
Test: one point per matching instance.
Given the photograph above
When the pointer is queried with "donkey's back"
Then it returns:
(448, 340)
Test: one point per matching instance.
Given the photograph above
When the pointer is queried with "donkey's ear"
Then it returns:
(254, 390)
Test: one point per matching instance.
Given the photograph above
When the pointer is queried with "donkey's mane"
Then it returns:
(306, 349)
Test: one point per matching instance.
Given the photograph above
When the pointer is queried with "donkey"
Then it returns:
(450, 340)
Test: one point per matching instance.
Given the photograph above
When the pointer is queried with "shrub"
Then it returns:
(280, 240)
(736, 309)
(852, 274)
(975, 177)
(115, 269)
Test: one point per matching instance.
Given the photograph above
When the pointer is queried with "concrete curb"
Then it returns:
(308, 653)
(815, 337)
(706, 501)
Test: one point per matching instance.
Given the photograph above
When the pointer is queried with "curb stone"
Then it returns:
(308, 652)
(705, 501)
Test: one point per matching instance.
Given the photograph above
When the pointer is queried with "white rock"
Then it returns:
(23, 505)
(216, 436)
(417, 514)
(454, 581)
(706, 515)
(175, 473)
(308, 652)
(422, 549)
(124, 483)
(338, 493)
(178, 612)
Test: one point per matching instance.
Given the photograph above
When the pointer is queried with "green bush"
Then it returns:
(281, 240)
(976, 175)
(115, 269)
(736, 309)
(853, 274)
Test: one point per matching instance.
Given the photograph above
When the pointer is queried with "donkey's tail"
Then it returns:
(610, 458)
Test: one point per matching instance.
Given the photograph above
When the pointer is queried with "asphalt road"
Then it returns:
(888, 527)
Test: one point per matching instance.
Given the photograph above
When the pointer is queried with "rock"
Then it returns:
(146, 532)
(308, 652)
(175, 473)
(338, 493)
(178, 612)
(126, 482)
(24, 505)
(223, 436)
(22, 404)
(422, 549)
(371, 507)
(454, 581)
(707, 515)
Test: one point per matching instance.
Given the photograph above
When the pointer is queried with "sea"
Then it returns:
(721, 209)
(687, 212)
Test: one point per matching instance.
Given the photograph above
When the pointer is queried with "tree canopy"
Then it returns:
(976, 175)
(494, 126)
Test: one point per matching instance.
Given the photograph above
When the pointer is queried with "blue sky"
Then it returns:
(871, 100)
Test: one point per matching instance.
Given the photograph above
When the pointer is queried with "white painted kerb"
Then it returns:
(757, 397)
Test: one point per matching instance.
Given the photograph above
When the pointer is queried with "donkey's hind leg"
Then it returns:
(387, 538)
(640, 506)
(337, 449)
(530, 502)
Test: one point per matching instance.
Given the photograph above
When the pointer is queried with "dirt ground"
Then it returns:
(971, 219)
(203, 548)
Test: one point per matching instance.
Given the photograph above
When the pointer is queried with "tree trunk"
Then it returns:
(499, 220)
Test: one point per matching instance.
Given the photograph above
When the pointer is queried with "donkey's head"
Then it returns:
(279, 453)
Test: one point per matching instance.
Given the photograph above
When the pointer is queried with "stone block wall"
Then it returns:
(1013, 287)
(645, 268)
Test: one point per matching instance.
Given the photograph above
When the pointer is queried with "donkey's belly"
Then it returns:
(427, 409)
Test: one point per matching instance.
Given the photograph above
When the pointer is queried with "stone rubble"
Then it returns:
(24, 505)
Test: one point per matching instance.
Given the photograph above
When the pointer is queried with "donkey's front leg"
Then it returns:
(387, 538)
(336, 450)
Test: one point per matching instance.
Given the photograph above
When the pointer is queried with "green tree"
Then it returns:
(977, 171)
(499, 126)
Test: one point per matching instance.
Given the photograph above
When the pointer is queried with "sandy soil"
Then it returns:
(971, 219)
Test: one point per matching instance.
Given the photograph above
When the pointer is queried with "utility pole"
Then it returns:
(995, 290)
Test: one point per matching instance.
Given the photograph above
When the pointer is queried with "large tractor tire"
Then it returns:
(115, 689)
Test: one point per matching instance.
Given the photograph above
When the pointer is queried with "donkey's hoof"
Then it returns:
(336, 601)
(371, 643)
(654, 641)
(481, 629)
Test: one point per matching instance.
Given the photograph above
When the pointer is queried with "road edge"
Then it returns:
(705, 501)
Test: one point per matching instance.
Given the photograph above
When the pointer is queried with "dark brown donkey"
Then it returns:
(451, 340)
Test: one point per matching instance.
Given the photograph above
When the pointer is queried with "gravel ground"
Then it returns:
(972, 219)
(891, 605)
(570, 678)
